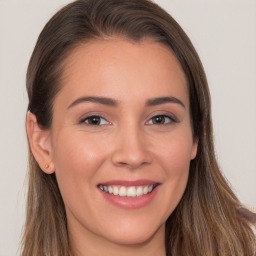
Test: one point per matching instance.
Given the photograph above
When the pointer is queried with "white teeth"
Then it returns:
(140, 191)
(145, 190)
(122, 191)
(115, 191)
(131, 191)
(110, 190)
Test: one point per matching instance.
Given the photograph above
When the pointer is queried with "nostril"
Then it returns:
(123, 163)
(131, 165)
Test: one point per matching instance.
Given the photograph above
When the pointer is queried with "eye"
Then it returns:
(161, 119)
(94, 120)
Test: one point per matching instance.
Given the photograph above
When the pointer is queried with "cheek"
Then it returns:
(77, 161)
(174, 158)
(175, 153)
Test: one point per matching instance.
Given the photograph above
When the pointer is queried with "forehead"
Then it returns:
(119, 68)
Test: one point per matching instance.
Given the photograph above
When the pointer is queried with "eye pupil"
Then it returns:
(94, 120)
(158, 120)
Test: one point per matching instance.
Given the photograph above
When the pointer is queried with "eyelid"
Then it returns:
(84, 118)
(171, 117)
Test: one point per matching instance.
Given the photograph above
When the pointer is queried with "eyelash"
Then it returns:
(86, 120)
(171, 120)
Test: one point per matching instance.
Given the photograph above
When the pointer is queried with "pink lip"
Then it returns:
(130, 202)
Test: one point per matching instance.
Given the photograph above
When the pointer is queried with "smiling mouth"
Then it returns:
(127, 191)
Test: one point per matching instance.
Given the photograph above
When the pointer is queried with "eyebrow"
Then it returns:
(114, 103)
(164, 100)
(100, 100)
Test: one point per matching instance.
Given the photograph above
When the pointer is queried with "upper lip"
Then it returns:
(129, 182)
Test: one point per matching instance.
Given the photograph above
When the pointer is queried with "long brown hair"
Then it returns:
(207, 220)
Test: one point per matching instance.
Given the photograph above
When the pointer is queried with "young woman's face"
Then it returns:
(121, 140)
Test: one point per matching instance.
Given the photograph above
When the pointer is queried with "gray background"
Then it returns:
(223, 32)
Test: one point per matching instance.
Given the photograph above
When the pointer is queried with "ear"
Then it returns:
(40, 144)
(194, 148)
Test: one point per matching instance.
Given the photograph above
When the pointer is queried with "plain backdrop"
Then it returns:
(223, 32)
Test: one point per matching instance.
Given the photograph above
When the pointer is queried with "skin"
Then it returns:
(127, 144)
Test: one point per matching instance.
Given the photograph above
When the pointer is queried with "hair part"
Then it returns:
(206, 221)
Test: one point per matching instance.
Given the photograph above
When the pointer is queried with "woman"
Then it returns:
(119, 126)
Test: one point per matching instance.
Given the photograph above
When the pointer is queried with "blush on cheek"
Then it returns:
(176, 153)
(80, 158)
(77, 162)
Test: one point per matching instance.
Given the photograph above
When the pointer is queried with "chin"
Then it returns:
(134, 234)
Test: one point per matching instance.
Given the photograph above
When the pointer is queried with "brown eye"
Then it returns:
(94, 120)
(161, 119)
(158, 120)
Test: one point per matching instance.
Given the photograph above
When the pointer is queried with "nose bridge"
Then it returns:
(130, 147)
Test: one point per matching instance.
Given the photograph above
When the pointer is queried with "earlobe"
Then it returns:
(40, 144)
(194, 148)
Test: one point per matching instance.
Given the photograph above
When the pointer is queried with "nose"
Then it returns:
(130, 149)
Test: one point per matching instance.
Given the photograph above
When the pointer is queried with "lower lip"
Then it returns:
(130, 202)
